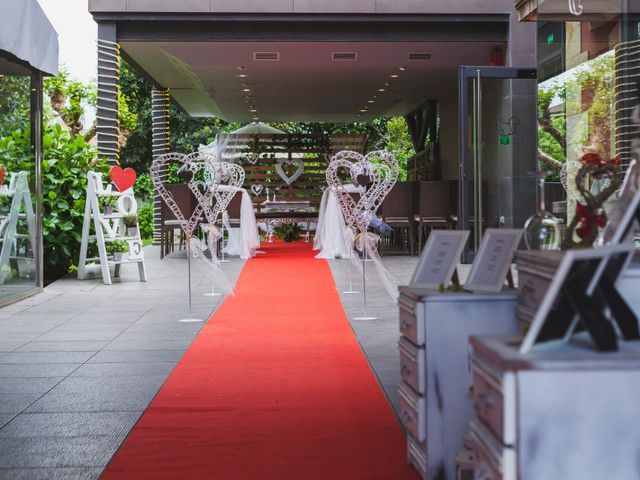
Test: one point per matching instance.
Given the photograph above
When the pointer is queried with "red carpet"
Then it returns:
(274, 387)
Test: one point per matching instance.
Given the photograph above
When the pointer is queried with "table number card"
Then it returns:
(493, 260)
(439, 258)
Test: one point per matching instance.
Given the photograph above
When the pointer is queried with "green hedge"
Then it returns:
(66, 162)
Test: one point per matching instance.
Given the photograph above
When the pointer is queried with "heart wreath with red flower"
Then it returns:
(590, 215)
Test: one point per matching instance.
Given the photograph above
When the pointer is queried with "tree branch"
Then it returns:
(549, 160)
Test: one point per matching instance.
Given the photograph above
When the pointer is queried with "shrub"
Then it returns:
(65, 164)
(145, 220)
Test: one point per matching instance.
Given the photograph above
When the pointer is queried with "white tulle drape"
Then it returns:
(332, 238)
(244, 241)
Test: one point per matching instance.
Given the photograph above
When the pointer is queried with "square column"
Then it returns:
(108, 90)
(160, 144)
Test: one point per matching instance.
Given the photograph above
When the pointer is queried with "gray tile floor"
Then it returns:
(80, 362)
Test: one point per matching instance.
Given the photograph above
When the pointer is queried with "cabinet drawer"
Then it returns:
(413, 412)
(493, 461)
(412, 365)
(410, 324)
(488, 400)
(417, 457)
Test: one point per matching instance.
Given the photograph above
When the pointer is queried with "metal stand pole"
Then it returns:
(365, 315)
(190, 319)
(351, 290)
(222, 246)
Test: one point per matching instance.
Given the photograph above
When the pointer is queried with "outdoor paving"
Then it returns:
(80, 362)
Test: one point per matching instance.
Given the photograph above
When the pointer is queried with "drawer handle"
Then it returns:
(405, 371)
(407, 417)
(486, 401)
(405, 324)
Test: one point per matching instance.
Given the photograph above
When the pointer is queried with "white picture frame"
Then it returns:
(439, 258)
(551, 295)
(493, 260)
(623, 229)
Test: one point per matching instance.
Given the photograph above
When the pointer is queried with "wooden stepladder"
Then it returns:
(12, 226)
(107, 228)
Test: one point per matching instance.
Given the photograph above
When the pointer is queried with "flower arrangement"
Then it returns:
(597, 179)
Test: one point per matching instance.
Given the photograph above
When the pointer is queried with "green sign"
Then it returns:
(551, 38)
(505, 139)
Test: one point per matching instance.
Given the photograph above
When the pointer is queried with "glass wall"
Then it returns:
(588, 73)
(18, 222)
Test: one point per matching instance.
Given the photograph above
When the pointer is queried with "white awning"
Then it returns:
(25, 31)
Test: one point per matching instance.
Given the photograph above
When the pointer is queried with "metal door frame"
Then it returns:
(465, 73)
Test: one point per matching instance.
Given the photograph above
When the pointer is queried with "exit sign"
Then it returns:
(551, 38)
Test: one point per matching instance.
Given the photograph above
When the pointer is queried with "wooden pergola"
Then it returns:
(259, 154)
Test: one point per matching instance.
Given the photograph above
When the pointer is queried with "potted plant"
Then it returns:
(108, 202)
(117, 248)
(289, 232)
(131, 224)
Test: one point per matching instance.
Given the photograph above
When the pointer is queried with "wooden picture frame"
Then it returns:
(439, 258)
(493, 260)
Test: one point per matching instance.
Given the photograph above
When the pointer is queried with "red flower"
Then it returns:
(588, 221)
(592, 158)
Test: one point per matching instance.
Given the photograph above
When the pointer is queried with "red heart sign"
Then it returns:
(123, 179)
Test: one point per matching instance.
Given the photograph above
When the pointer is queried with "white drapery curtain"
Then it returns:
(244, 240)
(331, 239)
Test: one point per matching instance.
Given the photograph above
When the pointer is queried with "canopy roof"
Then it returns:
(27, 38)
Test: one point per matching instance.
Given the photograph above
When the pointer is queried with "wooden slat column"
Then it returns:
(160, 145)
(108, 87)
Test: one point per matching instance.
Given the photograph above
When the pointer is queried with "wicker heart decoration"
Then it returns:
(289, 179)
(257, 189)
(157, 171)
(222, 180)
(381, 170)
(123, 179)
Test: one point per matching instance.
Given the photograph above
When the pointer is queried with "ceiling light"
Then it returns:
(371, 101)
(395, 75)
(363, 110)
(240, 68)
(242, 75)
(402, 69)
(381, 90)
(386, 84)
(253, 110)
(246, 89)
(256, 118)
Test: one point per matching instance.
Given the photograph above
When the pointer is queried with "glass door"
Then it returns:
(497, 149)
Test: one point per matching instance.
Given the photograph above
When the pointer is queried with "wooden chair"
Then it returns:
(434, 209)
(186, 201)
(397, 211)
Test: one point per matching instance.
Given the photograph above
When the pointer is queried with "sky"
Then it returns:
(77, 33)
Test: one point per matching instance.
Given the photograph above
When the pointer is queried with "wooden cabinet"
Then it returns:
(564, 412)
(436, 403)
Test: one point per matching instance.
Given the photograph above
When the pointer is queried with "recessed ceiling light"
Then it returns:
(386, 84)
(381, 90)
(363, 110)
(402, 69)
(256, 118)
(253, 110)
(395, 75)
(240, 67)
(242, 75)
(371, 101)
(246, 89)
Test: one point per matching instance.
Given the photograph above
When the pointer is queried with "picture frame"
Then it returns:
(439, 258)
(493, 260)
(556, 320)
(620, 227)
